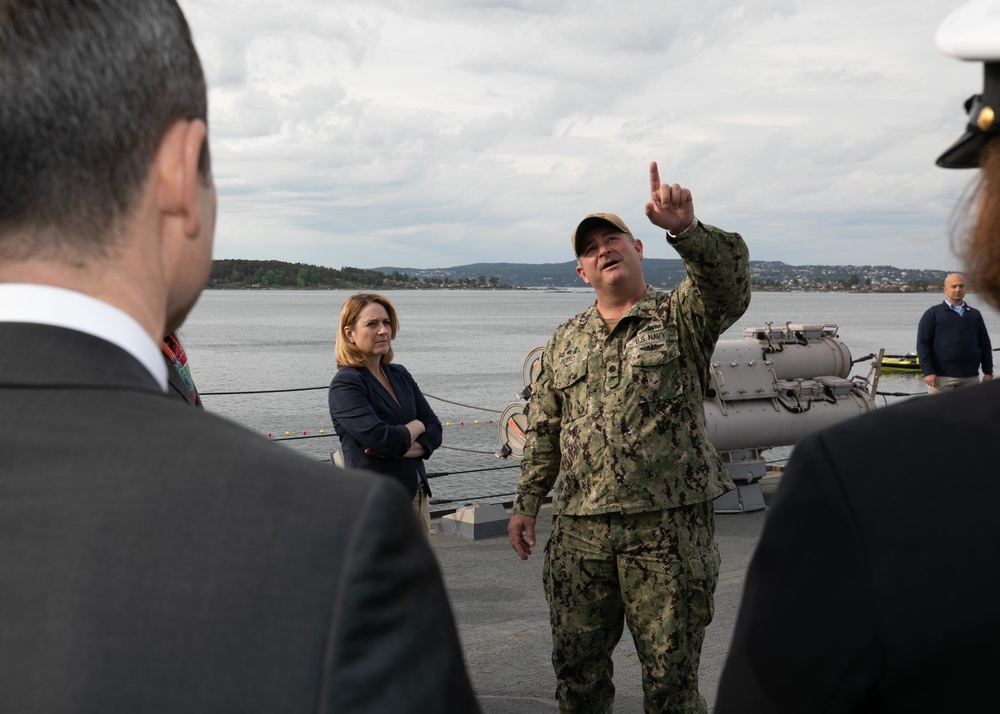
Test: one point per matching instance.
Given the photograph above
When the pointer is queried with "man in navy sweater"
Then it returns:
(952, 341)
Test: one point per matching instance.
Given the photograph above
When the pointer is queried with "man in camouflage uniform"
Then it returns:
(616, 426)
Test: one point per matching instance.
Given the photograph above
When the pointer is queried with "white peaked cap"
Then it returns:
(972, 32)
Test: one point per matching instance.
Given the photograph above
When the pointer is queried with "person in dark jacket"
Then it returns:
(952, 341)
(383, 421)
(154, 557)
(873, 588)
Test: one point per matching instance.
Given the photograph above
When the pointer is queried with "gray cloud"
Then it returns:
(444, 132)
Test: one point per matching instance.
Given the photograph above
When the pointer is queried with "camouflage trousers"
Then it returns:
(656, 571)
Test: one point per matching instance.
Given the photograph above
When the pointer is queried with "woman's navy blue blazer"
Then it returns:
(365, 416)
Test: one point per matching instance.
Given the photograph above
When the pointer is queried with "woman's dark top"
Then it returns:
(365, 416)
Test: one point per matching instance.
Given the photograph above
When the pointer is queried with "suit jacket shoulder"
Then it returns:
(879, 523)
(158, 558)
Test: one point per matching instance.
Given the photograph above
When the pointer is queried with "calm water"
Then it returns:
(466, 347)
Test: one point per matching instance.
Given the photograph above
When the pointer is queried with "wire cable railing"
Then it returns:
(324, 434)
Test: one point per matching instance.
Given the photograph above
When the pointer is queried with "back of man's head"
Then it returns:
(87, 91)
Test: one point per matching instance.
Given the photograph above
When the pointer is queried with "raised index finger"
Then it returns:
(654, 180)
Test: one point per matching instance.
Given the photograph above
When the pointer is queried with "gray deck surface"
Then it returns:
(504, 625)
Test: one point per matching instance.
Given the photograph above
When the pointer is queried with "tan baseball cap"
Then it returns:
(593, 220)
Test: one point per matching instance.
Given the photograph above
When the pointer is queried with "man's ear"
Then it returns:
(638, 247)
(582, 274)
(177, 172)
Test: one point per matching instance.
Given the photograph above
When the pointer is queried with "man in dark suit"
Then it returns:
(153, 557)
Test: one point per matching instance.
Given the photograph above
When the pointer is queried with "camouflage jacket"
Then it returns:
(616, 421)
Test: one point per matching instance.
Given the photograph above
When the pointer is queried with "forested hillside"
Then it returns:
(235, 273)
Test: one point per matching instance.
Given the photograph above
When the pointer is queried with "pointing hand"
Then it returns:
(670, 206)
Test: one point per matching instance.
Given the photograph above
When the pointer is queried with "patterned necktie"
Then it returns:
(173, 351)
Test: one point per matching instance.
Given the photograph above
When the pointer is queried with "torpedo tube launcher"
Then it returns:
(772, 388)
(769, 389)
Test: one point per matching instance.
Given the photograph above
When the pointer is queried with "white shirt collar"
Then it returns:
(48, 305)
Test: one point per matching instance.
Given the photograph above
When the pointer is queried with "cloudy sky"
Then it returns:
(434, 133)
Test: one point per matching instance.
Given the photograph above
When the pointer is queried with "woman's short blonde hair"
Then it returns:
(348, 355)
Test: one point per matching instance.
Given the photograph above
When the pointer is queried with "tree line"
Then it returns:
(237, 273)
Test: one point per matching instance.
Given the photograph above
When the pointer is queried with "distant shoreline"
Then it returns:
(889, 290)
(765, 276)
(377, 288)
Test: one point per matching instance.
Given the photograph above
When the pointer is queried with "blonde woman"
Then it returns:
(384, 423)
